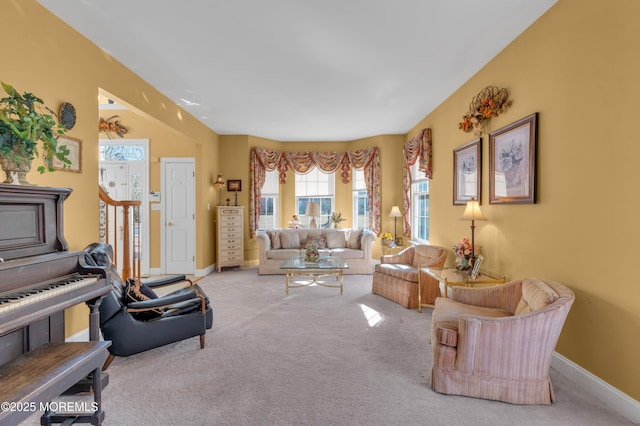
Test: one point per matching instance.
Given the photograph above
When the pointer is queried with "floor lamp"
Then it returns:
(472, 212)
(395, 214)
(313, 210)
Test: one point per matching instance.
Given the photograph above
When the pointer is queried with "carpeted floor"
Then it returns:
(311, 358)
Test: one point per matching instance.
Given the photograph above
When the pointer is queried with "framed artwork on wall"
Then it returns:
(75, 155)
(234, 185)
(467, 172)
(512, 162)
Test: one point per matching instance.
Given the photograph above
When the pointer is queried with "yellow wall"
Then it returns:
(48, 58)
(576, 66)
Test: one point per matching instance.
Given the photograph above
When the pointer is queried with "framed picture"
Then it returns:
(467, 172)
(234, 185)
(476, 267)
(512, 163)
(75, 155)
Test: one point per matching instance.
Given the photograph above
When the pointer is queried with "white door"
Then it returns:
(178, 200)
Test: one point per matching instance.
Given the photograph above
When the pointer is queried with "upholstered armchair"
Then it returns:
(497, 342)
(135, 319)
(396, 276)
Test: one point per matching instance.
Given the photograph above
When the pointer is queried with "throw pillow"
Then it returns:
(321, 242)
(336, 239)
(133, 292)
(289, 239)
(535, 295)
(353, 241)
(274, 236)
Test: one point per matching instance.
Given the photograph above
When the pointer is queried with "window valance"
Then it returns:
(417, 149)
(265, 160)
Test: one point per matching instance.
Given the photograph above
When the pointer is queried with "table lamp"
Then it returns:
(472, 212)
(395, 214)
(219, 184)
(313, 210)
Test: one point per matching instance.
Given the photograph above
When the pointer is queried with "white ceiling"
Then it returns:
(303, 70)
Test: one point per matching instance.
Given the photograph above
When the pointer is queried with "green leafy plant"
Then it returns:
(24, 121)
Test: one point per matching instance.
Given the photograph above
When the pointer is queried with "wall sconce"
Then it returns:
(313, 210)
(395, 214)
(219, 184)
(472, 212)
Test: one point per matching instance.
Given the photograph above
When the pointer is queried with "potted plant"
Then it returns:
(24, 121)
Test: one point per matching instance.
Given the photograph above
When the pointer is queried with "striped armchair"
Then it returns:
(396, 276)
(497, 342)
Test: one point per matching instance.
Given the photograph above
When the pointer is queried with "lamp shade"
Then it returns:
(472, 211)
(219, 183)
(395, 212)
(313, 209)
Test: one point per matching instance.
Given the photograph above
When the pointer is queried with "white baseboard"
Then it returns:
(81, 336)
(598, 388)
(155, 271)
(205, 271)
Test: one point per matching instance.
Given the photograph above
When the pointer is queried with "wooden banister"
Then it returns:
(130, 266)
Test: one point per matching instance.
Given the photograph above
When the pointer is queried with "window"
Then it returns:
(360, 200)
(269, 201)
(316, 187)
(419, 205)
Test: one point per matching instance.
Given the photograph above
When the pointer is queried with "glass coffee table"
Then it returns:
(327, 266)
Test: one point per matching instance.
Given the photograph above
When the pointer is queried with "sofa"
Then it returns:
(497, 342)
(353, 245)
(396, 276)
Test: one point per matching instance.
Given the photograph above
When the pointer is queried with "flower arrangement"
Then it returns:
(463, 252)
(336, 219)
(490, 102)
(387, 238)
(294, 222)
(312, 254)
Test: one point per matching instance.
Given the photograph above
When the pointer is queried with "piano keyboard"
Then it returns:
(30, 295)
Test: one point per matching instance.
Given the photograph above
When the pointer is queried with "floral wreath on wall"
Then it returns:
(490, 102)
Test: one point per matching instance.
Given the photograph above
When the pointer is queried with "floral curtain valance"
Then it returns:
(266, 160)
(417, 149)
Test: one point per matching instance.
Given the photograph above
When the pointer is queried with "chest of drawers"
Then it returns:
(230, 238)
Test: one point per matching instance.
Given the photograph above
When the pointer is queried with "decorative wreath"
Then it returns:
(490, 102)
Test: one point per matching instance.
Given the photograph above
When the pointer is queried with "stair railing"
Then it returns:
(109, 235)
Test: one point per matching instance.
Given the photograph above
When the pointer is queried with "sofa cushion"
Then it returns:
(290, 239)
(398, 270)
(336, 239)
(274, 236)
(535, 295)
(353, 238)
(426, 255)
(282, 254)
(447, 318)
(347, 253)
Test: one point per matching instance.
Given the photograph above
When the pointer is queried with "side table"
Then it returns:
(450, 276)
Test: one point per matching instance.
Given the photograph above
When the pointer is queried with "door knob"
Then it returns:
(169, 224)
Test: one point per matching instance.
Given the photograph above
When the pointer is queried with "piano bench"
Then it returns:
(38, 376)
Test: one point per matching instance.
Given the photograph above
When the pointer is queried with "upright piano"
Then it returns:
(39, 279)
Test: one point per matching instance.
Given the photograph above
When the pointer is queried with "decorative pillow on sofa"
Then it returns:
(274, 236)
(290, 239)
(353, 240)
(321, 242)
(535, 295)
(136, 291)
(336, 239)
